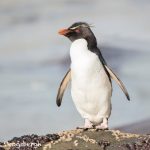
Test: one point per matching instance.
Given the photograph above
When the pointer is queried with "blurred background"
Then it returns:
(34, 59)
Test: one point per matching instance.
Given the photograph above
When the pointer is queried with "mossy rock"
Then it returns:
(80, 139)
(98, 140)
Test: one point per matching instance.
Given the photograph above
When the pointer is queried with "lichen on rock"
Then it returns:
(80, 139)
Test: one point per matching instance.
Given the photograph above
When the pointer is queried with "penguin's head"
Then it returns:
(79, 30)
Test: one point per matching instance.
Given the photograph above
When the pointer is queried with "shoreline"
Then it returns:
(141, 127)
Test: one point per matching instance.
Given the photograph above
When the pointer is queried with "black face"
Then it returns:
(79, 30)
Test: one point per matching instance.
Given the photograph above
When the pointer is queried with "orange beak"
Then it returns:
(63, 31)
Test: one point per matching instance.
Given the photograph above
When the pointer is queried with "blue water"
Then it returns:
(34, 59)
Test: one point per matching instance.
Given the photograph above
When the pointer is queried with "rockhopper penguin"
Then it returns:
(90, 77)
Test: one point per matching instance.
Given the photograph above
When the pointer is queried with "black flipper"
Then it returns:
(119, 82)
(111, 74)
(62, 87)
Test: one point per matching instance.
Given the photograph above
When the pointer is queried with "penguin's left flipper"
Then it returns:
(119, 82)
(62, 87)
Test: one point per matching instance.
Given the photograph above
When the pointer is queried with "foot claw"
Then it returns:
(97, 129)
(102, 127)
(84, 128)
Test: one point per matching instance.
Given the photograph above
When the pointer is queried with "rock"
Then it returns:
(98, 140)
(80, 139)
(28, 142)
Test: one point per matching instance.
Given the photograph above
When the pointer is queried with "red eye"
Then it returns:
(77, 30)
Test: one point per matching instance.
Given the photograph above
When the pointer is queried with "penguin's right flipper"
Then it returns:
(119, 82)
(62, 87)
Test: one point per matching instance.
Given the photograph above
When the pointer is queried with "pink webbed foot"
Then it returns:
(103, 125)
(87, 125)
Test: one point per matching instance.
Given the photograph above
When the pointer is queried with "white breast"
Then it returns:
(90, 86)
